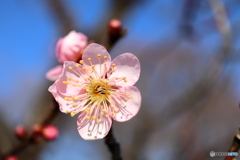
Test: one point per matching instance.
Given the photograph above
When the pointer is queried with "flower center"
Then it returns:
(99, 90)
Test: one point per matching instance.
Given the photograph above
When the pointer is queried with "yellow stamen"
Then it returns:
(65, 82)
(72, 114)
(81, 61)
(89, 59)
(98, 55)
(69, 67)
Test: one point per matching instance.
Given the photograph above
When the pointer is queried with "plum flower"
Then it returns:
(98, 89)
(68, 48)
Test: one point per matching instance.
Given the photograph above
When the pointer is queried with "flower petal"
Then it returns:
(68, 106)
(93, 128)
(70, 81)
(126, 108)
(92, 51)
(54, 73)
(128, 66)
(68, 48)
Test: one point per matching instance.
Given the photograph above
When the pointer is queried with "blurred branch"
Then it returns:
(199, 89)
(62, 15)
(118, 8)
(113, 146)
(189, 9)
(235, 145)
(24, 143)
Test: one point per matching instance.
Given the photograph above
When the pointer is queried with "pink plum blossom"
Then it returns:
(98, 89)
(68, 48)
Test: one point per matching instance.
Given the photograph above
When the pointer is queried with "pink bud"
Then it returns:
(50, 132)
(37, 129)
(11, 157)
(115, 27)
(69, 48)
(21, 132)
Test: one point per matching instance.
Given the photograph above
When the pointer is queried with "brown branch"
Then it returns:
(24, 143)
(113, 146)
(235, 145)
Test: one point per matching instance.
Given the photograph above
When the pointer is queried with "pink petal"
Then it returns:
(64, 105)
(127, 65)
(54, 73)
(90, 129)
(91, 51)
(75, 82)
(68, 48)
(129, 108)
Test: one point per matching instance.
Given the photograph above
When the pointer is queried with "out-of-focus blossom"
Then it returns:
(11, 157)
(54, 73)
(49, 132)
(99, 89)
(21, 132)
(69, 48)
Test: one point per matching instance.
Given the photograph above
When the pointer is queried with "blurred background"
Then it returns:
(190, 81)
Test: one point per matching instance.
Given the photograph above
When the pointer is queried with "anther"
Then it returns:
(65, 82)
(113, 64)
(105, 57)
(98, 55)
(81, 61)
(69, 78)
(88, 117)
(99, 120)
(106, 115)
(89, 59)
(69, 67)
(77, 65)
(72, 114)
(93, 117)
(66, 111)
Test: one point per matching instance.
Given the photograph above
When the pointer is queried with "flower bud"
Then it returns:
(69, 48)
(11, 157)
(115, 27)
(115, 31)
(50, 132)
(21, 132)
(37, 129)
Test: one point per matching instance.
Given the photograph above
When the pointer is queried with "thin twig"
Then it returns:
(24, 143)
(235, 145)
(113, 146)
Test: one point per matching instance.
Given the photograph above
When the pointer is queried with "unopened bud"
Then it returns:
(37, 129)
(21, 132)
(114, 27)
(50, 132)
(11, 157)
